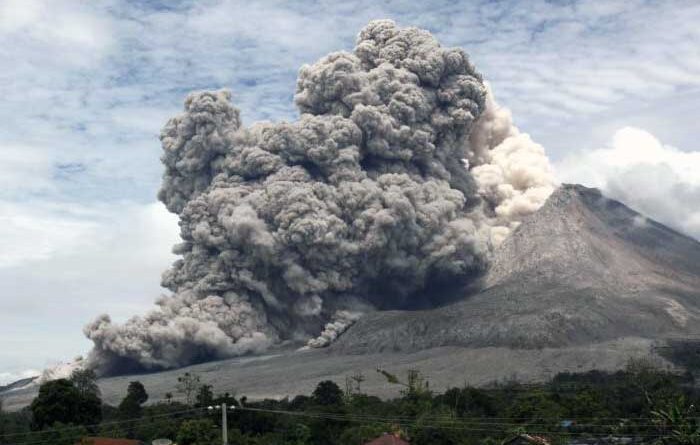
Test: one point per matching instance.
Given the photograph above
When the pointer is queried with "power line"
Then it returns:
(578, 420)
(476, 424)
(515, 422)
(142, 420)
(483, 425)
(95, 425)
(465, 420)
(417, 422)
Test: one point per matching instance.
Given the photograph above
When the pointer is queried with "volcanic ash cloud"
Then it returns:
(293, 229)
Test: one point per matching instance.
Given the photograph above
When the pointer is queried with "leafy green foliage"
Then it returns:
(187, 385)
(328, 393)
(678, 422)
(416, 385)
(643, 401)
(13, 423)
(137, 392)
(59, 401)
(205, 396)
(197, 432)
(130, 406)
(363, 433)
(61, 434)
(85, 381)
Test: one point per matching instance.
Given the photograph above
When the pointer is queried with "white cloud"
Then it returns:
(55, 23)
(28, 233)
(636, 168)
(63, 264)
(110, 243)
(23, 169)
(16, 14)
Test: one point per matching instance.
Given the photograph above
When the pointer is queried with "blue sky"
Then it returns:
(611, 89)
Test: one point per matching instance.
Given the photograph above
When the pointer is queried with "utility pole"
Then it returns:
(224, 424)
(224, 420)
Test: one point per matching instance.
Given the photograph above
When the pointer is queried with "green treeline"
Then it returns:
(642, 403)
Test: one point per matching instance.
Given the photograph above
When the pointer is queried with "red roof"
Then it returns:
(388, 439)
(109, 441)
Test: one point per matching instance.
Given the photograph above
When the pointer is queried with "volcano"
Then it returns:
(582, 269)
(583, 283)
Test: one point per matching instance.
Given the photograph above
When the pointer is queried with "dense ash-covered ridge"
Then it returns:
(400, 176)
(582, 270)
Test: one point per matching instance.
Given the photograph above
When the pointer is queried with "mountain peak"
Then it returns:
(579, 231)
(577, 189)
(582, 269)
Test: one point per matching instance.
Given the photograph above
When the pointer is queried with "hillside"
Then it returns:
(584, 283)
(582, 269)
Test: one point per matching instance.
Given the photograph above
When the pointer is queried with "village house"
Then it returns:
(388, 439)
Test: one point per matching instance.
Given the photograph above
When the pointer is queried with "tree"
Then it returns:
(137, 391)
(358, 378)
(353, 385)
(187, 385)
(227, 398)
(299, 434)
(130, 406)
(129, 409)
(416, 385)
(535, 407)
(60, 401)
(14, 422)
(197, 432)
(677, 424)
(2, 421)
(470, 402)
(205, 396)
(359, 434)
(61, 434)
(85, 381)
(328, 393)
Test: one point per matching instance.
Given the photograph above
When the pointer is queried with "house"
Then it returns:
(527, 439)
(388, 439)
(109, 441)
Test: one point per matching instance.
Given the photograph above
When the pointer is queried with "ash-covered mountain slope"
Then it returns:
(582, 269)
(584, 283)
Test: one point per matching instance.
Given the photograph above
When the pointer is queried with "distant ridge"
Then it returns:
(582, 269)
(19, 384)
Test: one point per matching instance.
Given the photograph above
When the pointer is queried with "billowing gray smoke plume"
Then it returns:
(291, 230)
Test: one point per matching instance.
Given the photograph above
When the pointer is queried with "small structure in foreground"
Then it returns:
(388, 439)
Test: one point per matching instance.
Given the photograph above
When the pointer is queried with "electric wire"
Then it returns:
(416, 422)
(476, 424)
(104, 424)
(431, 422)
